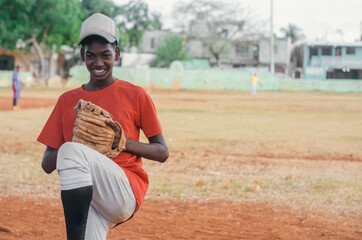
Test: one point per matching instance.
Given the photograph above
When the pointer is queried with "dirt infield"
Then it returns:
(22, 218)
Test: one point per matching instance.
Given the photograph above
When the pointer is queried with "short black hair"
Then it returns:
(98, 39)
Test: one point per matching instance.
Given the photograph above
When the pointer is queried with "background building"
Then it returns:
(282, 52)
(329, 60)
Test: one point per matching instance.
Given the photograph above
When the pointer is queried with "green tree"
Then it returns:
(41, 24)
(294, 32)
(105, 7)
(173, 49)
(136, 19)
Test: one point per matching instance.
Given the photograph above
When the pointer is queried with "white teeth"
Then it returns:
(99, 71)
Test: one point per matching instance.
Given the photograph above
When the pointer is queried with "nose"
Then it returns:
(98, 62)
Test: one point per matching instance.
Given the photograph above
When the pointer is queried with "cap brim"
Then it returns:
(106, 36)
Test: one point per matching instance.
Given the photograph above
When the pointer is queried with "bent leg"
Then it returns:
(76, 189)
(113, 196)
(113, 200)
(75, 205)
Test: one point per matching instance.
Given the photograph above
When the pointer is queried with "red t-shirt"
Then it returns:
(130, 105)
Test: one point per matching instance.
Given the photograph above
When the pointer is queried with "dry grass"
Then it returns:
(302, 149)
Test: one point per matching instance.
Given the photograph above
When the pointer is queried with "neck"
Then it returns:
(94, 85)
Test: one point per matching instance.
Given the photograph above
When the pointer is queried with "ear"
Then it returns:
(118, 53)
(82, 54)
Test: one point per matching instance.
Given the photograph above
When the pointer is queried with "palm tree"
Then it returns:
(294, 32)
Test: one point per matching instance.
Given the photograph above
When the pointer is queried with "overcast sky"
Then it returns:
(317, 18)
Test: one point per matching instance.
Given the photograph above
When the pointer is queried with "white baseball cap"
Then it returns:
(101, 25)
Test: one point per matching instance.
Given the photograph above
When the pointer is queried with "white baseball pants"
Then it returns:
(113, 200)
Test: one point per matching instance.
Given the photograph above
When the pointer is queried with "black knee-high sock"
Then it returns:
(76, 205)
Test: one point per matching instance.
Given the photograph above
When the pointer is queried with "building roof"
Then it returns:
(333, 43)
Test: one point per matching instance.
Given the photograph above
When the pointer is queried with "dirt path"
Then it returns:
(22, 218)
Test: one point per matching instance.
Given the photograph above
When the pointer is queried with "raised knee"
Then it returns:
(70, 155)
(67, 147)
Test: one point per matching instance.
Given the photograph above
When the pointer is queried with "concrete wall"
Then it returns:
(158, 38)
(178, 78)
(282, 50)
(137, 59)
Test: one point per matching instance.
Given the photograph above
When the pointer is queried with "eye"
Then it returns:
(107, 55)
(88, 55)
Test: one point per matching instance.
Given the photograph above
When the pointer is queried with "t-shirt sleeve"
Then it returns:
(52, 133)
(150, 124)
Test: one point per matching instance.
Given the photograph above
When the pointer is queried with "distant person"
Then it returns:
(17, 87)
(254, 82)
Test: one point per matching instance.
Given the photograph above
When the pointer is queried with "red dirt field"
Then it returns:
(24, 103)
(22, 218)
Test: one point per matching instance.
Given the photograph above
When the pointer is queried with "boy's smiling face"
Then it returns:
(99, 59)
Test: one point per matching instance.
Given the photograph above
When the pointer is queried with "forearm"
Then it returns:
(49, 161)
(153, 151)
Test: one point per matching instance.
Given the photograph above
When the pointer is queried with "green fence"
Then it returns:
(202, 79)
(213, 79)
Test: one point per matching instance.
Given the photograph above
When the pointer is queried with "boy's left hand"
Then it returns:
(118, 133)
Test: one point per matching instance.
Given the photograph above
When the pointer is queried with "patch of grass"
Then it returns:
(322, 186)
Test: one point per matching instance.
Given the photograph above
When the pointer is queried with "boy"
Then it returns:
(98, 192)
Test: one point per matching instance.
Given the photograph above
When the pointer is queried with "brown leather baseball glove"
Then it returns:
(92, 130)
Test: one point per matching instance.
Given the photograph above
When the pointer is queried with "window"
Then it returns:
(351, 50)
(313, 51)
(338, 51)
(152, 43)
(241, 50)
(326, 51)
(6, 62)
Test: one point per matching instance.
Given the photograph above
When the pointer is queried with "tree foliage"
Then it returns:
(136, 18)
(106, 7)
(51, 22)
(173, 49)
(41, 24)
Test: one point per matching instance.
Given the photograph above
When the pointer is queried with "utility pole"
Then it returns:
(271, 39)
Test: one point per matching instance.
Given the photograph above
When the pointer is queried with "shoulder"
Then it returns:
(69, 95)
(130, 88)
